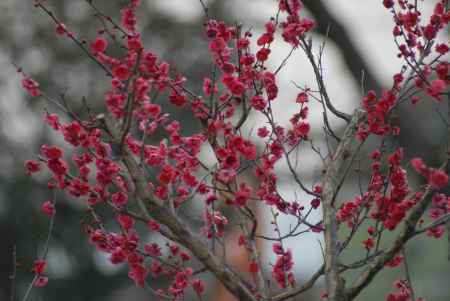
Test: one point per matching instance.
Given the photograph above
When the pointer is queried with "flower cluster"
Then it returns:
(282, 269)
(39, 267)
(139, 156)
(403, 292)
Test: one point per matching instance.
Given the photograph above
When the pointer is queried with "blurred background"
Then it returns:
(359, 38)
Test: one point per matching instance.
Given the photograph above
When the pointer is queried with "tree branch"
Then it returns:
(328, 25)
(184, 236)
(307, 48)
(335, 284)
(306, 286)
(406, 234)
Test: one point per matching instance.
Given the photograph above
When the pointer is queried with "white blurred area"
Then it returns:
(369, 25)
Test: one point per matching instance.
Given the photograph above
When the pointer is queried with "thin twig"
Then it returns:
(46, 248)
(13, 274)
(408, 273)
(205, 8)
(75, 40)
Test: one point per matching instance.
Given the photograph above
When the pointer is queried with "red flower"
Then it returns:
(277, 248)
(48, 208)
(243, 43)
(217, 45)
(119, 199)
(263, 132)
(437, 86)
(253, 267)
(395, 262)
(99, 45)
(242, 195)
(52, 120)
(185, 256)
(266, 38)
(388, 3)
(198, 286)
(258, 102)
(117, 256)
(272, 91)
(41, 281)
(371, 230)
(51, 152)
(302, 129)
(128, 19)
(263, 54)
(235, 86)
(31, 86)
(442, 48)
(438, 179)
(78, 187)
(156, 268)
(166, 175)
(32, 166)
(61, 29)
(283, 265)
(315, 203)
(57, 166)
(153, 225)
(208, 87)
(39, 266)
(241, 240)
(368, 243)
(174, 249)
(121, 72)
(125, 221)
(135, 43)
(302, 97)
(178, 99)
(419, 166)
(138, 273)
(153, 250)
